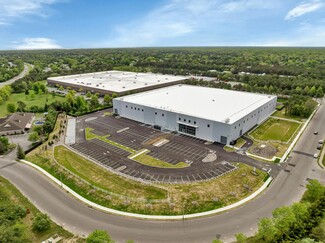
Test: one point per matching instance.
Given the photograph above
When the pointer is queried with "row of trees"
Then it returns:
(300, 222)
(78, 105)
(10, 68)
(5, 93)
(313, 91)
(299, 106)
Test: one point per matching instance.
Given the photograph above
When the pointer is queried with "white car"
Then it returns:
(320, 141)
(315, 156)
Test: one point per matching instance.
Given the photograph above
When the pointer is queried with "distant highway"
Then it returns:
(21, 75)
(287, 188)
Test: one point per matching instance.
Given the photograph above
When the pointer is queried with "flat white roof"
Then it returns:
(118, 81)
(219, 105)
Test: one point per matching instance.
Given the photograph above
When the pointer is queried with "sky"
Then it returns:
(51, 24)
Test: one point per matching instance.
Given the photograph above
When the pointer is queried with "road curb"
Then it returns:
(144, 216)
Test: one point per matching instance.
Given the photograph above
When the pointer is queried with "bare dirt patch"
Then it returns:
(264, 150)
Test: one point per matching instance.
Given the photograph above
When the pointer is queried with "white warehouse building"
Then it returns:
(211, 114)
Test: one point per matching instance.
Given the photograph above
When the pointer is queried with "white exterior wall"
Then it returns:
(254, 118)
(170, 120)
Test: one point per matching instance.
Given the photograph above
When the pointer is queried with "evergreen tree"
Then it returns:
(20, 152)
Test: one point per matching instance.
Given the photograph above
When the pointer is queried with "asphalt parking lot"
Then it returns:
(137, 136)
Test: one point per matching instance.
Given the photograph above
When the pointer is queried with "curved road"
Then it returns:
(27, 67)
(80, 219)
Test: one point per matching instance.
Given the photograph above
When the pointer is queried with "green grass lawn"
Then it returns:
(11, 195)
(275, 129)
(151, 161)
(228, 149)
(103, 178)
(39, 100)
(240, 142)
(282, 114)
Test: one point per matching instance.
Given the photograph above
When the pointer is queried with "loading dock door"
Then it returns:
(223, 140)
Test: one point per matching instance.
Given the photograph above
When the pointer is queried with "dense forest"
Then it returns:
(280, 70)
(294, 72)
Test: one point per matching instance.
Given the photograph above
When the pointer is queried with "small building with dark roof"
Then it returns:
(16, 123)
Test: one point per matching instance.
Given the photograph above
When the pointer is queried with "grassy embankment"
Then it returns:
(282, 114)
(117, 192)
(111, 190)
(12, 196)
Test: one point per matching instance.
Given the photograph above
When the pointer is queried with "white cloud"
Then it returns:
(242, 5)
(303, 9)
(10, 9)
(179, 18)
(37, 43)
(306, 35)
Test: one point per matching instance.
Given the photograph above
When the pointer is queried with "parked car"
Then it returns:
(315, 156)
(319, 146)
(316, 132)
(320, 141)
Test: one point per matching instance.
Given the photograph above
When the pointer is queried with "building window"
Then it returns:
(138, 109)
(179, 118)
(185, 120)
(162, 114)
(194, 122)
(131, 108)
(155, 113)
(142, 109)
(208, 125)
(189, 121)
(235, 128)
(126, 106)
(239, 124)
(187, 129)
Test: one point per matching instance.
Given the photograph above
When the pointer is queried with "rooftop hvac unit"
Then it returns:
(227, 120)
